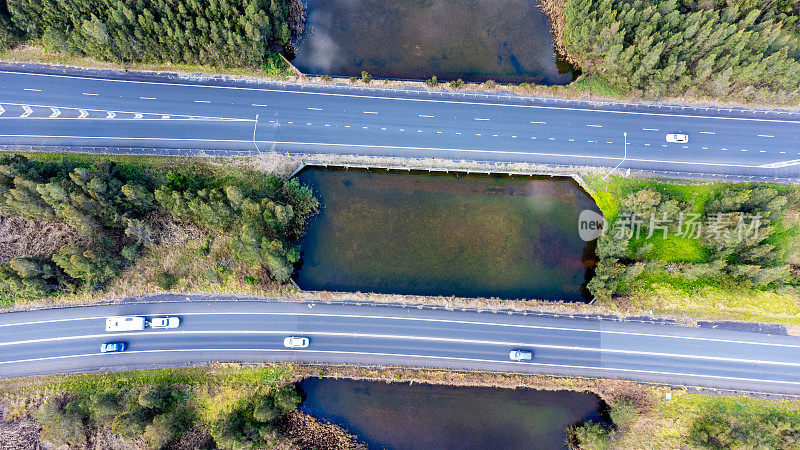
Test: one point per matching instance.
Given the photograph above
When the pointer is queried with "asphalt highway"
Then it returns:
(134, 113)
(68, 340)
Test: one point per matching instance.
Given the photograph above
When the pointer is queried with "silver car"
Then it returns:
(520, 355)
(677, 138)
(165, 322)
(295, 342)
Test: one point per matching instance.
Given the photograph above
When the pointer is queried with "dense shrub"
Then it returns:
(736, 230)
(224, 33)
(728, 425)
(739, 48)
(588, 436)
(264, 227)
(99, 202)
(109, 206)
(251, 423)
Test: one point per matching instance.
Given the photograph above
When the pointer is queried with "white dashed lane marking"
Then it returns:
(594, 126)
(314, 109)
(766, 135)
(32, 90)
(89, 93)
(707, 132)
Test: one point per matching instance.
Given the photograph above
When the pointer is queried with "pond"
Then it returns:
(507, 41)
(408, 416)
(421, 233)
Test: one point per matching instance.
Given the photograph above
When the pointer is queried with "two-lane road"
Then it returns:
(68, 340)
(67, 110)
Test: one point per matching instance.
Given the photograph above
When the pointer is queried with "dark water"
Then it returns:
(507, 41)
(421, 416)
(418, 233)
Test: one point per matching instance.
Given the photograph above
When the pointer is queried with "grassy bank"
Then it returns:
(644, 416)
(710, 269)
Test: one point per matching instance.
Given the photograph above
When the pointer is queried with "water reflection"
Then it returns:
(445, 234)
(508, 41)
(414, 416)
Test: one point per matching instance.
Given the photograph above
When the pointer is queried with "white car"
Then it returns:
(295, 342)
(677, 138)
(520, 355)
(165, 322)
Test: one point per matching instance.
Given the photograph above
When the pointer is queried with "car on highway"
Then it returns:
(125, 323)
(677, 138)
(165, 322)
(113, 347)
(295, 342)
(520, 355)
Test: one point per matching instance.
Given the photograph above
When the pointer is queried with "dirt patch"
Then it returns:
(197, 437)
(20, 238)
(310, 433)
(18, 434)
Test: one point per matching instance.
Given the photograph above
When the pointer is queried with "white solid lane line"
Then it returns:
(332, 94)
(32, 90)
(455, 150)
(410, 337)
(400, 355)
(433, 320)
(707, 132)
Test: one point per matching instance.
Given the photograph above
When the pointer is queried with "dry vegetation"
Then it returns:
(21, 238)
(212, 393)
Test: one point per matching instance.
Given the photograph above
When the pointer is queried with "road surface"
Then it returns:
(139, 113)
(67, 341)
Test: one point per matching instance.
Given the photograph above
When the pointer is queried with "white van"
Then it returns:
(125, 323)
